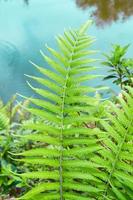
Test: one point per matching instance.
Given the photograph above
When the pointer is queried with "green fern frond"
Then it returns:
(117, 152)
(66, 138)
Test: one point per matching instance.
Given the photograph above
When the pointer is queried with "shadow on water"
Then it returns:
(107, 11)
(25, 1)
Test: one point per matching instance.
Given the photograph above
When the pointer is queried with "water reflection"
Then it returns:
(106, 12)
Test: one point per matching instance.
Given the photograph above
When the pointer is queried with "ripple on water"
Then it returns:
(9, 60)
(9, 54)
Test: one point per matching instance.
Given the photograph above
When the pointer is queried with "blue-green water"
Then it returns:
(25, 26)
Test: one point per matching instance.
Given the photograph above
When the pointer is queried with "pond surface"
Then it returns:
(25, 27)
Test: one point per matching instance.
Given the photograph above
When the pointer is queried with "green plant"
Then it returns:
(79, 153)
(11, 115)
(116, 155)
(64, 140)
(121, 68)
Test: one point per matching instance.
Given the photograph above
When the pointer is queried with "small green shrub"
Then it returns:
(120, 67)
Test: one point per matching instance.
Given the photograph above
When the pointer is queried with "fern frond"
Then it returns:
(117, 154)
(66, 139)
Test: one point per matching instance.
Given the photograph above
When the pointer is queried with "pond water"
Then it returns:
(26, 25)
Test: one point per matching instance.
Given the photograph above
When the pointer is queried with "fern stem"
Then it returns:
(116, 159)
(62, 117)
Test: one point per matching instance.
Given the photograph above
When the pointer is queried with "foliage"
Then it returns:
(64, 109)
(11, 115)
(78, 154)
(121, 68)
(73, 145)
(116, 155)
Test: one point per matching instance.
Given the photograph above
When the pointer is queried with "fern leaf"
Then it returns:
(79, 160)
(115, 155)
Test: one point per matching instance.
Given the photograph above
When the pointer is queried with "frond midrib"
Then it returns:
(62, 117)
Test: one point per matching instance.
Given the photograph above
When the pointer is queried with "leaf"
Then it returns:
(119, 195)
(41, 175)
(39, 152)
(40, 188)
